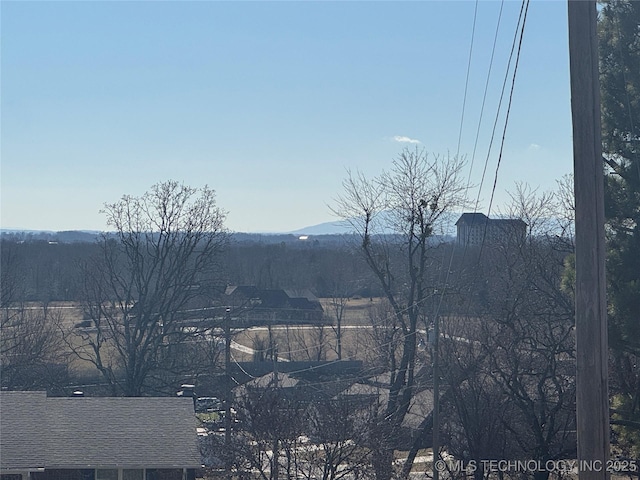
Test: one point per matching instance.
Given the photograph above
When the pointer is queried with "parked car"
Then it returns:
(208, 404)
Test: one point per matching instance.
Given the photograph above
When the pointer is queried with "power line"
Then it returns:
(466, 85)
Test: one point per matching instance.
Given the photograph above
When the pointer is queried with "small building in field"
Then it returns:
(97, 438)
(253, 306)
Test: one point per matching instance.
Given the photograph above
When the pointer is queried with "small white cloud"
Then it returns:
(534, 146)
(403, 139)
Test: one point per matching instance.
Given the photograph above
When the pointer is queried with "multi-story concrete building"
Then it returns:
(477, 228)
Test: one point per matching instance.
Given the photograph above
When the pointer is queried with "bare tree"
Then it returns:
(337, 429)
(395, 216)
(160, 258)
(476, 409)
(32, 353)
(11, 288)
(283, 434)
(518, 339)
(271, 425)
(309, 343)
(340, 287)
(385, 338)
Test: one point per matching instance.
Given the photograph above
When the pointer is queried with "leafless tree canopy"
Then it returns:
(510, 362)
(411, 202)
(160, 258)
(32, 353)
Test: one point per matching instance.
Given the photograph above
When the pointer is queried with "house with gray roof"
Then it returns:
(91, 438)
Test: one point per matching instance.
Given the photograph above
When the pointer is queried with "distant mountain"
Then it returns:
(339, 227)
(381, 223)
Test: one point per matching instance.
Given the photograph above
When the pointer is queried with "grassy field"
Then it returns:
(295, 343)
(304, 342)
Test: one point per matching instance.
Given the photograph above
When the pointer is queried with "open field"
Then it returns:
(294, 343)
(306, 342)
(356, 310)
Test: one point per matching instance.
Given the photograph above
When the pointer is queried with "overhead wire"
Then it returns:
(519, 32)
(518, 38)
(484, 98)
(512, 89)
(466, 83)
(486, 88)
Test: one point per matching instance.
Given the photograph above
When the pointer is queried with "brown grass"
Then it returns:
(297, 344)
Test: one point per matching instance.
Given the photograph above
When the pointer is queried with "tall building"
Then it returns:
(476, 228)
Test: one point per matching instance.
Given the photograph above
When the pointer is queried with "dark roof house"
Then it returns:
(251, 306)
(256, 306)
(91, 438)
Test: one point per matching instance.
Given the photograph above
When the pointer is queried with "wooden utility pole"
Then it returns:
(592, 395)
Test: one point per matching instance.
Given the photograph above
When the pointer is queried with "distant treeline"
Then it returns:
(46, 266)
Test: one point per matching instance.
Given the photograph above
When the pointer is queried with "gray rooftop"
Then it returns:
(90, 432)
(22, 426)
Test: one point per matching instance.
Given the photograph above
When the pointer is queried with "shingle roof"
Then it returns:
(22, 426)
(275, 298)
(87, 432)
(421, 402)
(283, 381)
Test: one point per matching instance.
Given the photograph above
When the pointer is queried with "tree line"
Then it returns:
(37, 270)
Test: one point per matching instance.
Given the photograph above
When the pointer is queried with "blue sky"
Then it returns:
(268, 103)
